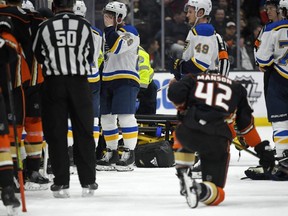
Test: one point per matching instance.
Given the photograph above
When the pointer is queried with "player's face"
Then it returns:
(191, 15)
(271, 11)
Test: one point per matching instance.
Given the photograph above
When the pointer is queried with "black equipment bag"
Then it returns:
(159, 154)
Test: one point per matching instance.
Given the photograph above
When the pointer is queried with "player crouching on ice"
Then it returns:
(208, 104)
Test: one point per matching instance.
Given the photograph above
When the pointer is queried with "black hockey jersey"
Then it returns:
(21, 23)
(210, 102)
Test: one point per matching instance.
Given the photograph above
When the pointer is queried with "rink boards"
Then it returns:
(251, 80)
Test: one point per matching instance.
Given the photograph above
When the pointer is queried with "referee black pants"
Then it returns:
(63, 96)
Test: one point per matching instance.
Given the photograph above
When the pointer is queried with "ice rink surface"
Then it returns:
(155, 192)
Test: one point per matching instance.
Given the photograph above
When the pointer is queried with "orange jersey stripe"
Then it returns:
(223, 54)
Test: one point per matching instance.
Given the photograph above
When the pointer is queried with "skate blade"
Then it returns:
(73, 170)
(12, 211)
(105, 168)
(64, 193)
(191, 192)
(124, 168)
(31, 186)
(86, 192)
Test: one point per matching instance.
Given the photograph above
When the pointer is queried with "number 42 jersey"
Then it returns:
(213, 100)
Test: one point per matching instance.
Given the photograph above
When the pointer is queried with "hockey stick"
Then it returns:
(45, 164)
(238, 145)
(163, 87)
(18, 153)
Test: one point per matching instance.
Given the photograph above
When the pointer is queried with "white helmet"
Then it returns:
(283, 4)
(26, 4)
(118, 8)
(206, 5)
(80, 8)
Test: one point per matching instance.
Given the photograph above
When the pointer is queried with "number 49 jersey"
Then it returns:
(202, 47)
(273, 47)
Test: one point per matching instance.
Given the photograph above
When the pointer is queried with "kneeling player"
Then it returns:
(207, 105)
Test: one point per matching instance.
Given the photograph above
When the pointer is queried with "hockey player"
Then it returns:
(272, 10)
(119, 88)
(271, 55)
(204, 49)
(8, 54)
(147, 96)
(66, 92)
(20, 72)
(80, 9)
(207, 104)
(33, 141)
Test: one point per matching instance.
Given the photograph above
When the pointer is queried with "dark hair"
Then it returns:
(46, 12)
(272, 2)
(13, 1)
(63, 3)
(178, 92)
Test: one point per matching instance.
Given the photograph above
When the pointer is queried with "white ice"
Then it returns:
(155, 192)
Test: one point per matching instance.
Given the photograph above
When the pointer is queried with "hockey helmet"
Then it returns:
(283, 4)
(63, 3)
(26, 4)
(206, 5)
(118, 8)
(80, 8)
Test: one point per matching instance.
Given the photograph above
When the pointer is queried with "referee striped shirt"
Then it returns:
(64, 45)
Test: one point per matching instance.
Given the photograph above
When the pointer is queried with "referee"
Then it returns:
(64, 45)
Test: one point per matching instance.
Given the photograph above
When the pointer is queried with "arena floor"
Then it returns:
(155, 192)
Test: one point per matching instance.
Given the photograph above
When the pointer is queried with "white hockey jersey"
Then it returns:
(201, 47)
(95, 76)
(121, 54)
(274, 47)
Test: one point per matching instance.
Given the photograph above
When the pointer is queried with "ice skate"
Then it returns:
(196, 172)
(73, 170)
(280, 171)
(10, 201)
(191, 193)
(88, 190)
(179, 174)
(257, 173)
(36, 182)
(60, 191)
(109, 160)
(127, 161)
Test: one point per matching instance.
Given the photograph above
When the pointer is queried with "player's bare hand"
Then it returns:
(108, 20)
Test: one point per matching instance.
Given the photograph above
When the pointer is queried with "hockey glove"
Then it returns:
(266, 155)
(174, 66)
